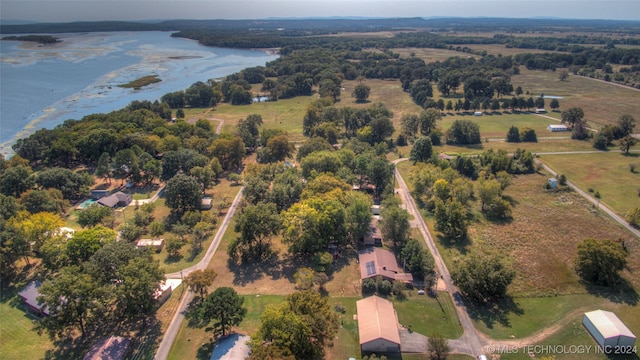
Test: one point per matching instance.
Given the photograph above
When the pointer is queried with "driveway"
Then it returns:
(232, 347)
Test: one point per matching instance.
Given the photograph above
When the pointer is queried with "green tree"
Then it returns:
(626, 143)
(198, 281)
(182, 194)
(257, 224)
(554, 104)
(422, 150)
(451, 219)
(103, 169)
(626, 123)
(139, 280)
(361, 93)
(173, 246)
(73, 300)
(482, 277)
(438, 347)
(224, 307)
(328, 88)
(599, 261)
(85, 243)
(93, 215)
(49, 200)
(513, 135)
(464, 132)
(417, 259)
(394, 225)
(572, 116)
(357, 215)
(16, 180)
(632, 216)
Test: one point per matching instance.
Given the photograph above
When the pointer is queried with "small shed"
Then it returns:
(557, 128)
(608, 330)
(477, 113)
(541, 111)
(206, 203)
(156, 244)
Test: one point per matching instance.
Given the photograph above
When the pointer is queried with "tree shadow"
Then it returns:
(461, 245)
(172, 259)
(492, 312)
(620, 293)
(205, 350)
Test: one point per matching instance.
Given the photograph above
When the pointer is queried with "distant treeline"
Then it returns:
(42, 39)
(328, 25)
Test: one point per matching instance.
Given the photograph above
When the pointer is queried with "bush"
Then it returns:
(633, 217)
(369, 286)
(385, 287)
(528, 135)
(513, 135)
(600, 142)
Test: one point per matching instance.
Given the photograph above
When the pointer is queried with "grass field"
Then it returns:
(19, 341)
(437, 316)
(607, 173)
(603, 103)
(546, 287)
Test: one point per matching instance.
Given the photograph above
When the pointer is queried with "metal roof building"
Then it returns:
(377, 325)
(608, 330)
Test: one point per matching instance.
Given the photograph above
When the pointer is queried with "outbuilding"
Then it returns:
(557, 128)
(377, 325)
(477, 113)
(608, 330)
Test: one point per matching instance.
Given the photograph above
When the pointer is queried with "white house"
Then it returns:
(377, 325)
(608, 330)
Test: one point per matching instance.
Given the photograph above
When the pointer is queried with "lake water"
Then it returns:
(42, 86)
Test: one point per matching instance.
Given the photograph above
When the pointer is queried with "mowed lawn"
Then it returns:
(17, 338)
(607, 173)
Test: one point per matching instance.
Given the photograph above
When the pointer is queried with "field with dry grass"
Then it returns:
(607, 173)
(602, 102)
(542, 236)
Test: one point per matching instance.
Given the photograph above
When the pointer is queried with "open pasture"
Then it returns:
(607, 173)
(603, 103)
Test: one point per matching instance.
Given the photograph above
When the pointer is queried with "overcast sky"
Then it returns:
(91, 10)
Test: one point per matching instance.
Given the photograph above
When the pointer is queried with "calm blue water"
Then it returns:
(42, 86)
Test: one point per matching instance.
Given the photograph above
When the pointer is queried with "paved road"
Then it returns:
(470, 343)
(174, 326)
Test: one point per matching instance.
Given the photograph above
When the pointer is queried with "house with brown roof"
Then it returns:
(377, 325)
(376, 262)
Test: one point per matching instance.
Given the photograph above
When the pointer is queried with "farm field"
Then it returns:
(607, 173)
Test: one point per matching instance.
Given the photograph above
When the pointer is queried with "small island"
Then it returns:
(143, 81)
(41, 39)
